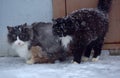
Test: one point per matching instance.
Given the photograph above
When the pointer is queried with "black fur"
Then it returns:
(21, 31)
(39, 34)
(104, 5)
(50, 44)
(88, 28)
(63, 25)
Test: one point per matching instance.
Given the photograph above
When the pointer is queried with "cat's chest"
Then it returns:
(66, 41)
(22, 51)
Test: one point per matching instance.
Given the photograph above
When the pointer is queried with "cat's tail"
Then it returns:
(104, 5)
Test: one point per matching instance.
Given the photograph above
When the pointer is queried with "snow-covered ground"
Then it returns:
(106, 67)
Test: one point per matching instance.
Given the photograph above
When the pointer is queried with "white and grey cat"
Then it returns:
(19, 38)
(23, 37)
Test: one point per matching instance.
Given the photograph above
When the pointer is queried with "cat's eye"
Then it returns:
(58, 31)
(65, 30)
(21, 36)
(63, 24)
(14, 35)
(24, 37)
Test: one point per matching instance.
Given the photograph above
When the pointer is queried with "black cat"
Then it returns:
(86, 27)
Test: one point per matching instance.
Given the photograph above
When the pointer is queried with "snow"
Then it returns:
(107, 67)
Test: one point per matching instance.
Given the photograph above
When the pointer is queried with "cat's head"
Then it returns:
(19, 34)
(63, 27)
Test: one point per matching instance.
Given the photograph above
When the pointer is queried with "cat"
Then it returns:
(39, 56)
(86, 28)
(19, 38)
(48, 45)
(36, 43)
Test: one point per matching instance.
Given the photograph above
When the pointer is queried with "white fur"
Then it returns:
(65, 40)
(30, 61)
(21, 48)
(74, 62)
(85, 59)
(95, 59)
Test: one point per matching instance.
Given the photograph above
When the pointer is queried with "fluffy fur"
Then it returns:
(65, 41)
(39, 56)
(36, 43)
(19, 38)
(87, 27)
(50, 45)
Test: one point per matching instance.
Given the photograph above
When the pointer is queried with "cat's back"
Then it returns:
(88, 14)
(90, 19)
(41, 27)
(43, 34)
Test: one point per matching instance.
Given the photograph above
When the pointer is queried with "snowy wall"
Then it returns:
(15, 12)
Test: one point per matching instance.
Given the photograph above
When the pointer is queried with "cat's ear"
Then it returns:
(25, 24)
(68, 20)
(33, 24)
(54, 21)
(9, 28)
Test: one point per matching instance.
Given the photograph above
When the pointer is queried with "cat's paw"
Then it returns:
(31, 61)
(95, 59)
(84, 59)
(74, 62)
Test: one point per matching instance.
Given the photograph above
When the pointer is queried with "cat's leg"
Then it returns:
(31, 60)
(77, 54)
(97, 50)
(87, 52)
(34, 53)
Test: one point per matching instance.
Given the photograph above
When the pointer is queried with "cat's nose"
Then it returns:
(20, 44)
